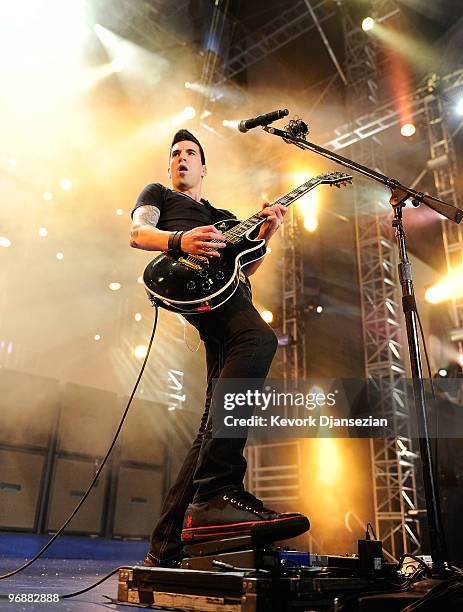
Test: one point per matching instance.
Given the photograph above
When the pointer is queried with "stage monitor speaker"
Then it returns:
(88, 420)
(71, 478)
(139, 496)
(28, 408)
(20, 485)
(143, 437)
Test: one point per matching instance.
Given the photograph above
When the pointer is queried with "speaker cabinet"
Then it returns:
(71, 479)
(138, 505)
(20, 485)
(28, 408)
(144, 433)
(88, 420)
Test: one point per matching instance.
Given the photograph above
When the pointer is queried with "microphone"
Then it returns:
(248, 124)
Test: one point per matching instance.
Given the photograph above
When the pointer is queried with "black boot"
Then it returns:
(237, 513)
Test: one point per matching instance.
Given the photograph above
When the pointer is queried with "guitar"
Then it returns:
(193, 284)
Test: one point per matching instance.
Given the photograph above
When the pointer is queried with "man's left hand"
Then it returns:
(274, 218)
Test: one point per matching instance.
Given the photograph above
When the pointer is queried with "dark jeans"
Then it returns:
(239, 344)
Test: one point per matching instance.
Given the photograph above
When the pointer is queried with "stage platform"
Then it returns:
(71, 564)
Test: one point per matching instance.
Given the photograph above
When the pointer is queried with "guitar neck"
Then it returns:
(240, 230)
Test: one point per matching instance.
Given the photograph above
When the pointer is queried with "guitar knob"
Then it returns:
(190, 284)
(220, 275)
(207, 284)
(204, 273)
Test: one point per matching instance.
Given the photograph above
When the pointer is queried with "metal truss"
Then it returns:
(444, 167)
(293, 323)
(289, 25)
(393, 471)
(375, 121)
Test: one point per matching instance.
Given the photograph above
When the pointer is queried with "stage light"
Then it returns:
(189, 112)
(310, 223)
(114, 286)
(448, 288)
(97, 337)
(460, 107)
(187, 84)
(118, 64)
(267, 315)
(60, 256)
(269, 250)
(319, 309)
(43, 232)
(407, 130)
(442, 372)
(137, 316)
(140, 351)
(4, 242)
(65, 184)
(367, 24)
(47, 195)
(119, 212)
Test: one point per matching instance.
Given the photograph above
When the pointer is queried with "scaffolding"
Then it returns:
(443, 164)
(393, 465)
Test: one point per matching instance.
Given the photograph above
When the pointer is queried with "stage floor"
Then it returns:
(63, 576)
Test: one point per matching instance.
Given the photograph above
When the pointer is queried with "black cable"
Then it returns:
(92, 586)
(98, 472)
(370, 527)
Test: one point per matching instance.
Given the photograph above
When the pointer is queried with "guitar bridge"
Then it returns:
(189, 264)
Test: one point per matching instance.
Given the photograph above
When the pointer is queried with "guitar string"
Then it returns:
(236, 233)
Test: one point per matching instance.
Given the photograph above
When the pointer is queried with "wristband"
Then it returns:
(174, 242)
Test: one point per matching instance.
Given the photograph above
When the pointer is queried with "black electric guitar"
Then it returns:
(192, 284)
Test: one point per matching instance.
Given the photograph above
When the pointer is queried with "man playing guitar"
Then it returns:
(208, 500)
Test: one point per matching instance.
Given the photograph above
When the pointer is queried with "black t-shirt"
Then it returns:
(179, 212)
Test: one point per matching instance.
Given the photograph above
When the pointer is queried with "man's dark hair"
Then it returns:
(186, 135)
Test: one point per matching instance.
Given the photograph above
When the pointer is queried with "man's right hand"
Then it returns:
(203, 240)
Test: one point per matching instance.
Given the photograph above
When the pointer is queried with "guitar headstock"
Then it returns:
(340, 179)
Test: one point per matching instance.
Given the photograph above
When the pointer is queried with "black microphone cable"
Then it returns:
(98, 472)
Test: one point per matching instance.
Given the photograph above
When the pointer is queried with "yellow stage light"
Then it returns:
(329, 467)
(450, 287)
(118, 64)
(140, 351)
(137, 316)
(368, 24)
(59, 256)
(47, 195)
(119, 212)
(4, 242)
(408, 129)
(97, 337)
(65, 184)
(310, 223)
(114, 286)
(43, 232)
(187, 84)
(267, 315)
(189, 112)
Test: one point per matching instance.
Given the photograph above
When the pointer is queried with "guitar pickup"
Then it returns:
(189, 264)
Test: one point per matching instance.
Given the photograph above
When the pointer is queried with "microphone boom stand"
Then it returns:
(398, 199)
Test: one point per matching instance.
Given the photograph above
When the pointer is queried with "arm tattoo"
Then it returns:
(148, 215)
